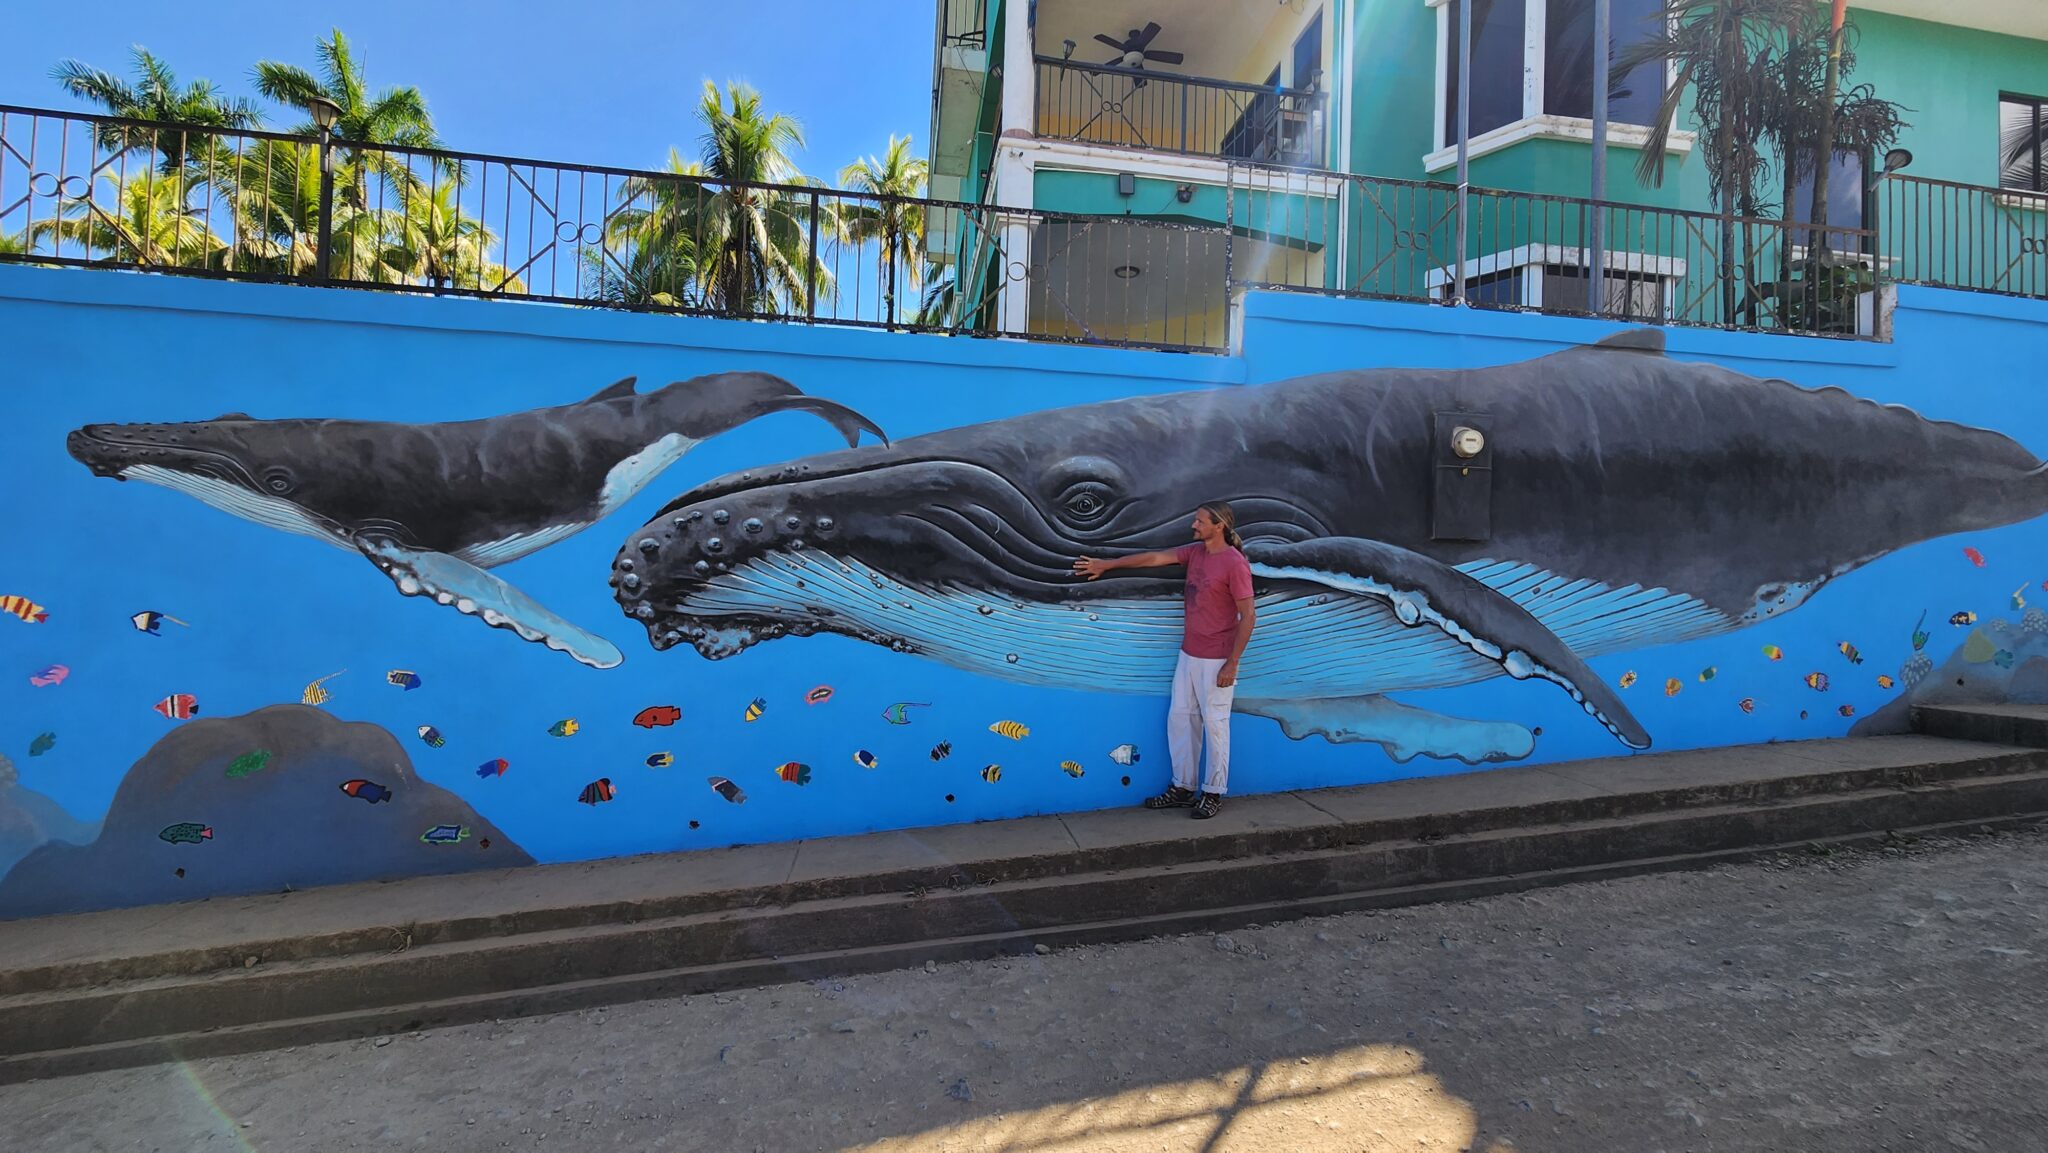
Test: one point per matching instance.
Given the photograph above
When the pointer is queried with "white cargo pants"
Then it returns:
(1199, 709)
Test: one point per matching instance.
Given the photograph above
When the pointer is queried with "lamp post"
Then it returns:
(325, 113)
(1596, 258)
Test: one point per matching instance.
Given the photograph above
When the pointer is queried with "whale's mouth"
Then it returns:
(119, 451)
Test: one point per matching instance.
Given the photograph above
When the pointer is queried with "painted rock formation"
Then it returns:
(28, 819)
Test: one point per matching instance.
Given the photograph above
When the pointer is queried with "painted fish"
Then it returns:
(432, 736)
(493, 768)
(178, 706)
(316, 693)
(819, 695)
(186, 833)
(1746, 704)
(1919, 634)
(2003, 658)
(53, 675)
(864, 759)
(1072, 768)
(249, 762)
(597, 792)
(1975, 557)
(1849, 650)
(43, 743)
(660, 760)
(564, 728)
(728, 790)
(754, 709)
(942, 750)
(658, 716)
(151, 622)
(1628, 679)
(1966, 617)
(1847, 710)
(404, 679)
(1774, 652)
(1709, 673)
(1125, 754)
(899, 713)
(1010, 729)
(445, 834)
(1818, 682)
(1884, 682)
(1673, 686)
(992, 774)
(2019, 598)
(24, 608)
(795, 772)
(367, 791)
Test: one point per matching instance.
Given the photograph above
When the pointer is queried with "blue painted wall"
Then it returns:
(267, 613)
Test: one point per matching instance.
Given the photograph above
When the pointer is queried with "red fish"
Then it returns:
(178, 706)
(1976, 558)
(657, 716)
(598, 791)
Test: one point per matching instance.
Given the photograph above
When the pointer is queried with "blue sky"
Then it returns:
(599, 81)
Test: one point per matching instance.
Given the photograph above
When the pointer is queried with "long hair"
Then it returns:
(1220, 512)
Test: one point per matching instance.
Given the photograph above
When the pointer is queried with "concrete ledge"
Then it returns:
(112, 988)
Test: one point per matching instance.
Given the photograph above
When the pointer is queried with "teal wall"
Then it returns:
(1949, 80)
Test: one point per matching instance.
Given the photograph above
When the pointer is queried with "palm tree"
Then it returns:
(276, 205)
(396, 116)
(154, 94)
(152, 222)
(752, 245)
(893, 217)
(431, 239)
(649, 255)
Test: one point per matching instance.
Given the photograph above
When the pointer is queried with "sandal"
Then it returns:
(1208, 806)
(1174, 797)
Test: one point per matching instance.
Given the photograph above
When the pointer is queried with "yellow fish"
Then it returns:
(1072, 768)
(1774, 652)
(1708, 673)
(1672, 687)
(2019, 598)
(1884, 682)
(992, 774)
(1010, 729)
(315, 694)
(1628, 678)
(755, 708)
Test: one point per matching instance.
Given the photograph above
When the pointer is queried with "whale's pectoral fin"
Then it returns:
(474, 592)
(1426, 593)
(1404, 731)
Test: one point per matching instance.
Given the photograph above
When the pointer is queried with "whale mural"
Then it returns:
(435, 505)
(1636, 500)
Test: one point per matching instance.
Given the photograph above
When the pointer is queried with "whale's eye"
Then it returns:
(279, 480)
(1086, 502)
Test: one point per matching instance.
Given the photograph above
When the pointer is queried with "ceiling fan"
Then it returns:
(1133, 50)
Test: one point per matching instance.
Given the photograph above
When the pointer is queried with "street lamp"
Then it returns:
(325, 113)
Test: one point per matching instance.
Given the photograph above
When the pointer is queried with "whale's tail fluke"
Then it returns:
(847, 421)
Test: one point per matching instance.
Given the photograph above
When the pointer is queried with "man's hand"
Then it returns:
(1227, 675)
(1091, 568)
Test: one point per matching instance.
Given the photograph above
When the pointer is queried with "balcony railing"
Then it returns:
(963, 23)
(1962, 236)
(1163, 112)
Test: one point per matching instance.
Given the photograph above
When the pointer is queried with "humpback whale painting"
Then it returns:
(1637, 500)
(435, 505)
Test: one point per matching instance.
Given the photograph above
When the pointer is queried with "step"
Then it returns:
(2025, 725)
(1121, 874)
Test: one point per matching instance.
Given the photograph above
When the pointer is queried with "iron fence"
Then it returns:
(106, 192)
(1162, 112)
(963, 23)
(1949, 235)
(1397, 239)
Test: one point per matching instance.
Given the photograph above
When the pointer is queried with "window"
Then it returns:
(1845, 200)
(1308, 54)
(1499, 28)
(2022, 125)
(1568, 60)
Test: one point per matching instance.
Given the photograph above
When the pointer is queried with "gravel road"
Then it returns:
(1889, 999)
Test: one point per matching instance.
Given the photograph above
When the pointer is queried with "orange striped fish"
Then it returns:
(24, 608)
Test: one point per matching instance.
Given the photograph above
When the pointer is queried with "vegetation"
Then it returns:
(893, 219)
(155, 95)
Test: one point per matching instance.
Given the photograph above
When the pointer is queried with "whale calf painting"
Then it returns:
(1635, 500)
(435, 505)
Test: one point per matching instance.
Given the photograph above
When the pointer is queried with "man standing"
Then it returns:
(1218, 602)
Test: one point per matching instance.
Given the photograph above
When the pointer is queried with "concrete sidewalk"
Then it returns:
(123, 986)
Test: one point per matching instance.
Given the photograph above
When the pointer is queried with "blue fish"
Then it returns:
(899, 713)
(403, 679)
(432, 736)
(369, 791)
(2003, 658)
(445, 834)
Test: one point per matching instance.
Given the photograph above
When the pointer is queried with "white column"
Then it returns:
(1020, 75)
(1014, 174)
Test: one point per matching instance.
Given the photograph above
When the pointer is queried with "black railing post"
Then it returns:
(1183, 117)
(323, 250)
(811, 285)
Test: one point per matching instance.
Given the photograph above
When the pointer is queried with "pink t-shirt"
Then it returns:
(1216, 582)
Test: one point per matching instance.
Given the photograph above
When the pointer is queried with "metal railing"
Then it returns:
(1163, 112)
(1397, 239)
(105, 192)
(963, 23)
(1949, 235)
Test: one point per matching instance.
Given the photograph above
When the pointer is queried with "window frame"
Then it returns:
(2040, 107)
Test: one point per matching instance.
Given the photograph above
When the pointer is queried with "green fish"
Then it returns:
(186, 833)
(1919, 636)
(251, 762)
(43, 743)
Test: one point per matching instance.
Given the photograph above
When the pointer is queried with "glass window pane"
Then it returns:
(1568, 60)
(1845, 199)
(1498, 30)
(2020, 123)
